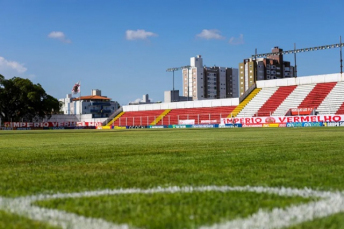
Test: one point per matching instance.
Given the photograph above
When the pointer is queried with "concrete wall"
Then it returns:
(74, 118)
(301, 80)
(189, 104)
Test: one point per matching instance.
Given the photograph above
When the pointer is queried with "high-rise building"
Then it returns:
(272, 67)
(200, 82)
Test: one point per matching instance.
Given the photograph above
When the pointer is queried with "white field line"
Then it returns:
(329, 203)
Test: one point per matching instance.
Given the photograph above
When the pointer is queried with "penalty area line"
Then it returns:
(329, 203)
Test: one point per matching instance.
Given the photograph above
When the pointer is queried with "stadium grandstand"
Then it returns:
(320, 94)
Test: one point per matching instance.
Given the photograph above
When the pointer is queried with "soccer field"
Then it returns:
(173, 178)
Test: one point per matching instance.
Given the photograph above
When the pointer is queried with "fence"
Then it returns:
(211, 118)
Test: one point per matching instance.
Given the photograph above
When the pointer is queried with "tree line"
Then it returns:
(22, 100)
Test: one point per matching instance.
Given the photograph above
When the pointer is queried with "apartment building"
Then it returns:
(272, 67)
(96, 104)
(200, 82)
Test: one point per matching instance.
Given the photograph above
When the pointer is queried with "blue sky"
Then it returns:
(123, 47)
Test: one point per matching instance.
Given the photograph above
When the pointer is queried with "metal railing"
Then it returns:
(247, 92)
(119, 110)
(210, 118)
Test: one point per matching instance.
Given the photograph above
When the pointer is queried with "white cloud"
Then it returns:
(139, 34)
(237, 41)
(11, 67)
(59, 36)
(210, 34)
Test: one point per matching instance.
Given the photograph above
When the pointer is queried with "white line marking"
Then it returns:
(329, 203)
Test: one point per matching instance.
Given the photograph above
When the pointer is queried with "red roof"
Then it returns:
(92, 97)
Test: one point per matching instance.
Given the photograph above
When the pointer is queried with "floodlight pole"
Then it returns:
(341, 59)
(317, 48)
(177, 69)
(172, 70)
(295, 70)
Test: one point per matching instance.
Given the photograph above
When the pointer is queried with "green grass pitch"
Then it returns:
(70, 161)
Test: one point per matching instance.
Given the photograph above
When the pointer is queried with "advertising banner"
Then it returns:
(6, 128)
(136, 127)
(181, 126)
(209, 121)
(301, 111)
(333, 124)
(304, 124)
(49, 124)
(205, 126)
(253, 121)
(157, 127)
(230, 125)
(252, 125)
(186, 122)
(272, 125)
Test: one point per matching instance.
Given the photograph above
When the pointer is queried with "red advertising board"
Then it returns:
(301, 111)
(49, 124)
(283, 119)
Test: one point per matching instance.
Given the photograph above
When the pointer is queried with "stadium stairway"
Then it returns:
(341, 109)
(275, 100)
(238, 109)
(257, 102)
(317, 95)
(294, 99)
(114, 119)
(157, 120)
(333, 101)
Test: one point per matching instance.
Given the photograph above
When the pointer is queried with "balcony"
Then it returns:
(100, 104)
(100, 111)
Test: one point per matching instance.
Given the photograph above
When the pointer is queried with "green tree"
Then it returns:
(20, 99)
